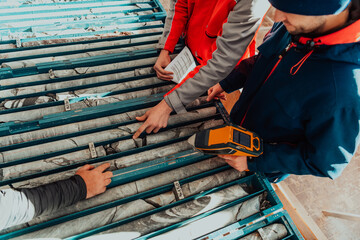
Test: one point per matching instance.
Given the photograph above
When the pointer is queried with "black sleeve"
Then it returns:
(237, 78)
(50, 197)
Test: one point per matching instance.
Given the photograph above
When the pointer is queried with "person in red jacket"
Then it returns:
(219, 33)
(199, 22)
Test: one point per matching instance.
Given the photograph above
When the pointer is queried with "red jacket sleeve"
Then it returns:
(178, 24)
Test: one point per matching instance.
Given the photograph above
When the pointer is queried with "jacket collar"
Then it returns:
(349, 34)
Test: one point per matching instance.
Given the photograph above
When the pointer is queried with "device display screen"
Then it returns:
(241, 138)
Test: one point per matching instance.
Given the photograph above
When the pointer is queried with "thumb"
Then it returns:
(142, 118)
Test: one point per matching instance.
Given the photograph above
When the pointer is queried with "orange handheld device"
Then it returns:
(227, 139)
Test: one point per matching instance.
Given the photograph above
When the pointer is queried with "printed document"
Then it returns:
(181, 65)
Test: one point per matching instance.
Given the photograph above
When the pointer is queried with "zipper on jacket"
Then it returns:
(281, 56)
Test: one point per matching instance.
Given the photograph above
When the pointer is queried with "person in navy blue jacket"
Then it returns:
(301, 93)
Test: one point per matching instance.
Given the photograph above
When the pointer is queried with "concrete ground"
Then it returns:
(340, 195)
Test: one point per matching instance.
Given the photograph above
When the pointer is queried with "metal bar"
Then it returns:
(81, 76)
(25, 108)
(82, 114)
(8, 42)
(75, 77)
(108, 13)
(234, 231)
(240, 229)
(76, 51)
(108, 157)
(197, 217)
(266, 184)
(110, 39)
(87, 34)
(96, 60)
(92, 85)
(82, 62)
(85, 7)
(67, 25)
(61, 102)
(57, 4)
(154, 167)
(130, 219)
(159, 6)
(248, 225)
(84, 132)
(147, 194)
(260, 183)
(91, 161)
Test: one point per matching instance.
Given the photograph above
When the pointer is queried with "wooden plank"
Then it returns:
(306, 225)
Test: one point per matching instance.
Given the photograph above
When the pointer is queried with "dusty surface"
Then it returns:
(342, 195)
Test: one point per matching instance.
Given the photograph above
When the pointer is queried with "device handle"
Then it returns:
(258, 140)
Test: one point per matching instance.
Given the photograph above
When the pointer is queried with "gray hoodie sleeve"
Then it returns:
(23, 204)
(238, 32)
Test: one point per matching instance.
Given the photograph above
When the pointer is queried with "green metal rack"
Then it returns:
(243, 228)
(128, 32)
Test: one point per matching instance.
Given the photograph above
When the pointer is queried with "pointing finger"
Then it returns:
(140, 130)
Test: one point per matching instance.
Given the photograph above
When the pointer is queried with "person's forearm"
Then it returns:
(50, 197)
(237, 78)
(238, 32)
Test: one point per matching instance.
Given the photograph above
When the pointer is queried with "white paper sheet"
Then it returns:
(181, 65)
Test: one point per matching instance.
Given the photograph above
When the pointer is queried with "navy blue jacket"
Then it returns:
(302, 96)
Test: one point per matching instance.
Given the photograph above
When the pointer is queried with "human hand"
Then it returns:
(95, 179)
(237, 162)
(155, 118)
(216, 92)
(162, 61)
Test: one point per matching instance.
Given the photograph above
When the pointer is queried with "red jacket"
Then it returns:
(233, 24)
(200, 21)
